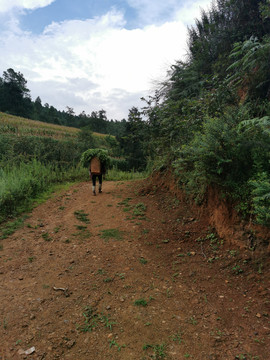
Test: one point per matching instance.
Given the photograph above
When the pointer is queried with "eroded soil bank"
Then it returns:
(130, 275)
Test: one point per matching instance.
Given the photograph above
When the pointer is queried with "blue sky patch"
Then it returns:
(61, 10)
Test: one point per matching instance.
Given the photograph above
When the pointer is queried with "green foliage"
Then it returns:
(115, 234)
(210, 156)
(91, 153)
(133, 141)
(19, 184)
(227, 22)
(92, 319)
(250, 70)
(14, 149)
(139, 209)
(159, 350)
(210, 119)
(14, 95)
(265, 9)
(258, 124)
(140, 302)
(87, 139)
(82, 216)
(261, 198)
(120, 164)
(117, 175)
(11, 226)
(237, 269)
(227, 152)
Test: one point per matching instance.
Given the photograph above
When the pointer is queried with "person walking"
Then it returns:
(96, 170)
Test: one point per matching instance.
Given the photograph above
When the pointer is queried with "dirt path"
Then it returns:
(128, 275)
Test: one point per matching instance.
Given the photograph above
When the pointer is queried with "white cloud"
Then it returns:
(157, 10)
(191, 10)
(95, 63)
(152, 10)
(7, 5)
(108, 64)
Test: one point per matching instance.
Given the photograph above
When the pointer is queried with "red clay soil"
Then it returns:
(130, 274)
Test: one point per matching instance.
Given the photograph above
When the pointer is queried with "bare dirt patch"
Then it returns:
(130, 275)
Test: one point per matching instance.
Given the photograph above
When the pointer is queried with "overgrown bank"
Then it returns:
(223, 217)
(210, 120)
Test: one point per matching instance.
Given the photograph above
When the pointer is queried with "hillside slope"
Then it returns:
(11, 124)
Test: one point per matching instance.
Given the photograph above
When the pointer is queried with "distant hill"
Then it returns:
(10, 124)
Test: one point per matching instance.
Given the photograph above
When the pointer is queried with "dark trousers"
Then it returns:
(94, 178)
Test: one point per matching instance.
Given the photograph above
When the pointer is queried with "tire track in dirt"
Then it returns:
(137, 283)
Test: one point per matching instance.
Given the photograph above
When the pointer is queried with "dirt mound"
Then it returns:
(128, 274)
(222, 216)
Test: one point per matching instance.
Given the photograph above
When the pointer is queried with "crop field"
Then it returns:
(10, 124)
(20, 126)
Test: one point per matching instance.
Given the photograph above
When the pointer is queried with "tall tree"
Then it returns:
(16, 96)
(133, 140)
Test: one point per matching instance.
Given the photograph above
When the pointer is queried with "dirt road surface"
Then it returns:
(129, 274)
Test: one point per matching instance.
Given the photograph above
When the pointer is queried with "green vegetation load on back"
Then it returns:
(89, 154)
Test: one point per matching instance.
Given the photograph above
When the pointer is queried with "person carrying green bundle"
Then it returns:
(97, 161)
(96, 170)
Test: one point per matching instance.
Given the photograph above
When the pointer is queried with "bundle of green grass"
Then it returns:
(101, 154)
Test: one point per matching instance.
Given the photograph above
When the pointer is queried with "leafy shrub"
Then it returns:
(14, 149)
(214, 156)
(117, 175)
(120, 164)
(261, 198)
(227, 152)
(250, 68)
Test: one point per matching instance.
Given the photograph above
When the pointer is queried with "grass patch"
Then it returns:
(125, 202)
(81, 227)
(114, 343)
(141, 302)
(143, 261)
(139, 210)
(83, 233)
(177, 337)
(10, 227)
(192, 320)
(46, 236)
(26, 185)
(159, 350)
(237, 270)
(114, 234)
(118, 175)
(92, 319)
(82, 216)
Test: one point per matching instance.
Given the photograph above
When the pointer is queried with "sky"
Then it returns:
(95, 54)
